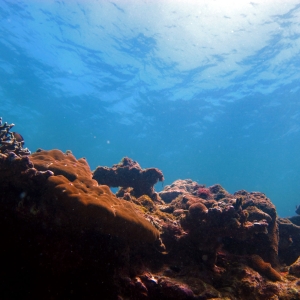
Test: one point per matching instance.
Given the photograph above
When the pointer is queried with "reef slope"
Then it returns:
(65, 236)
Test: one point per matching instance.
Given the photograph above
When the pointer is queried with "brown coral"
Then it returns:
(264, 268)
(128, 173)
(198, 211)
(71, 199)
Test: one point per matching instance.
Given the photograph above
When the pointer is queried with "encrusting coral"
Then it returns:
(69, 197)
(128, 173)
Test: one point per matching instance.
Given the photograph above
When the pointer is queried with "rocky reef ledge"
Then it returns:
(65, 235)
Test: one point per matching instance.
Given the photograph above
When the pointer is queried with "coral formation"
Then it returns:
(11, 142)
(68, 196)
(65, 236)
(264, 268)
(259, 207)
(226, 223)
(189, 187)
(128, 173)
(203, 192)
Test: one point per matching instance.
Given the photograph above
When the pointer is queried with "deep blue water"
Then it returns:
(207, 90)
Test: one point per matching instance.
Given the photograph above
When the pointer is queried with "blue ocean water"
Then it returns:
(206, 90)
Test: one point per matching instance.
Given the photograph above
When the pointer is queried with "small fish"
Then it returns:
(18, 137)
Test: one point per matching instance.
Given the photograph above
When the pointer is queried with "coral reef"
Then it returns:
(67, 237)
(128, 173)
(11, 142)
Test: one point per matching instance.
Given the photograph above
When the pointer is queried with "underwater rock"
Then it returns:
(258, 207)
(295, 220)
(289, 239)
(295, 268)
(128, 173)
(174, 290)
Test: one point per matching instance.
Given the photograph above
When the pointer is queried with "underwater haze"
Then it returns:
(206, 90)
